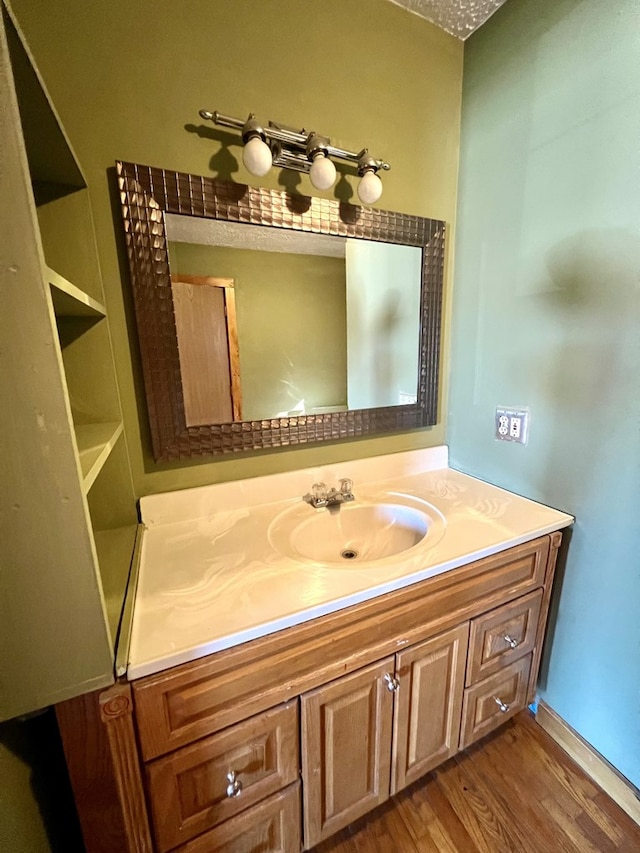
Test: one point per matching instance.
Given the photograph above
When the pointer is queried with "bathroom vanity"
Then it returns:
(270, 700)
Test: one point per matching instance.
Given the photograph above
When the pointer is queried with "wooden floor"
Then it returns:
(515, 792)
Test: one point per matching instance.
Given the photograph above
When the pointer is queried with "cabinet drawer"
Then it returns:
(502, 636)
(188, 790)
(272, 826)
(492, 701)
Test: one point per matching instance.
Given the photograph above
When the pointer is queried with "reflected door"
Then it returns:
(204, 308)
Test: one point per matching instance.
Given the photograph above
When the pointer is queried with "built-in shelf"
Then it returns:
(115, 548)
(64, 623)
(95, 443)
(70, 301)
(53, 165)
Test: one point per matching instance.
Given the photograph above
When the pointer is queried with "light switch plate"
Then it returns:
(512, 425)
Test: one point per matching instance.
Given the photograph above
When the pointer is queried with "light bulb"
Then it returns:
(322, 172)
(256, 156)
(370, 187)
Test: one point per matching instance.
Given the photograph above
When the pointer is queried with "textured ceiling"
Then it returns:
(458, 17)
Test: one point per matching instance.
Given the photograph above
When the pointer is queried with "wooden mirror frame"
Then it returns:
(147, 193)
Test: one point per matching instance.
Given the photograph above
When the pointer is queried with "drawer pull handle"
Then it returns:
(502, 705)
(512, 642)
(392, 682)
(234, 788)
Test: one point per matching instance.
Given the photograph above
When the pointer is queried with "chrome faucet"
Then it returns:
(321, 495)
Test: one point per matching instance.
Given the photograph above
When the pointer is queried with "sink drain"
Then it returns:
(349, 554)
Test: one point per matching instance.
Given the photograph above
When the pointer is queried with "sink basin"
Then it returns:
(355, 533)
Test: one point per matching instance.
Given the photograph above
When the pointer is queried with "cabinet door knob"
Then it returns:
(234, 788)
(502, 705)
(392, 682)
(512, 642)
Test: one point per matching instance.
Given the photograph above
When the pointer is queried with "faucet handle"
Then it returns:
(346, 487)
(319, 493)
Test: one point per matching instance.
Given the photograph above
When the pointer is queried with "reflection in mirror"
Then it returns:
(334, 340)
(324, 323)
(205, 315)
(383, 323)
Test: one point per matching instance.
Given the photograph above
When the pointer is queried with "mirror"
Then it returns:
(321, 323)
(268, 320)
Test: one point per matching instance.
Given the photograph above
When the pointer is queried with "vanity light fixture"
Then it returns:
(278, 145)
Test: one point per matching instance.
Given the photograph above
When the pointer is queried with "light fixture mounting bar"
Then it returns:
(296, 160)
(300, 140)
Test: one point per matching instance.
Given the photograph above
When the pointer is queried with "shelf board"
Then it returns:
(95, 443)
(115, 549)
(70, 301)
(52, 162)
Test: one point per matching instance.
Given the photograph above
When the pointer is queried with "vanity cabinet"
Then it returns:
(277, 743)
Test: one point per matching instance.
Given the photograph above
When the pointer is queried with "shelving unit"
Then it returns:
(114, 548)
(70, 301)
(95, 443)
(67, 500)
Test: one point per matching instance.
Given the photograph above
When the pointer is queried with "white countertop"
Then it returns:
(210, 579)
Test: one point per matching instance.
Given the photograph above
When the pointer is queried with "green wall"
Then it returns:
(128, 80)
(21, 826)
(37, 813)
(547, 315)
(292, 324)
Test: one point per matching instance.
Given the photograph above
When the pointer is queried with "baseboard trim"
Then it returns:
(594, 765)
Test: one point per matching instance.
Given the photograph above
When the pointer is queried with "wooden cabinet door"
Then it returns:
(346, 749)
(428, 705)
